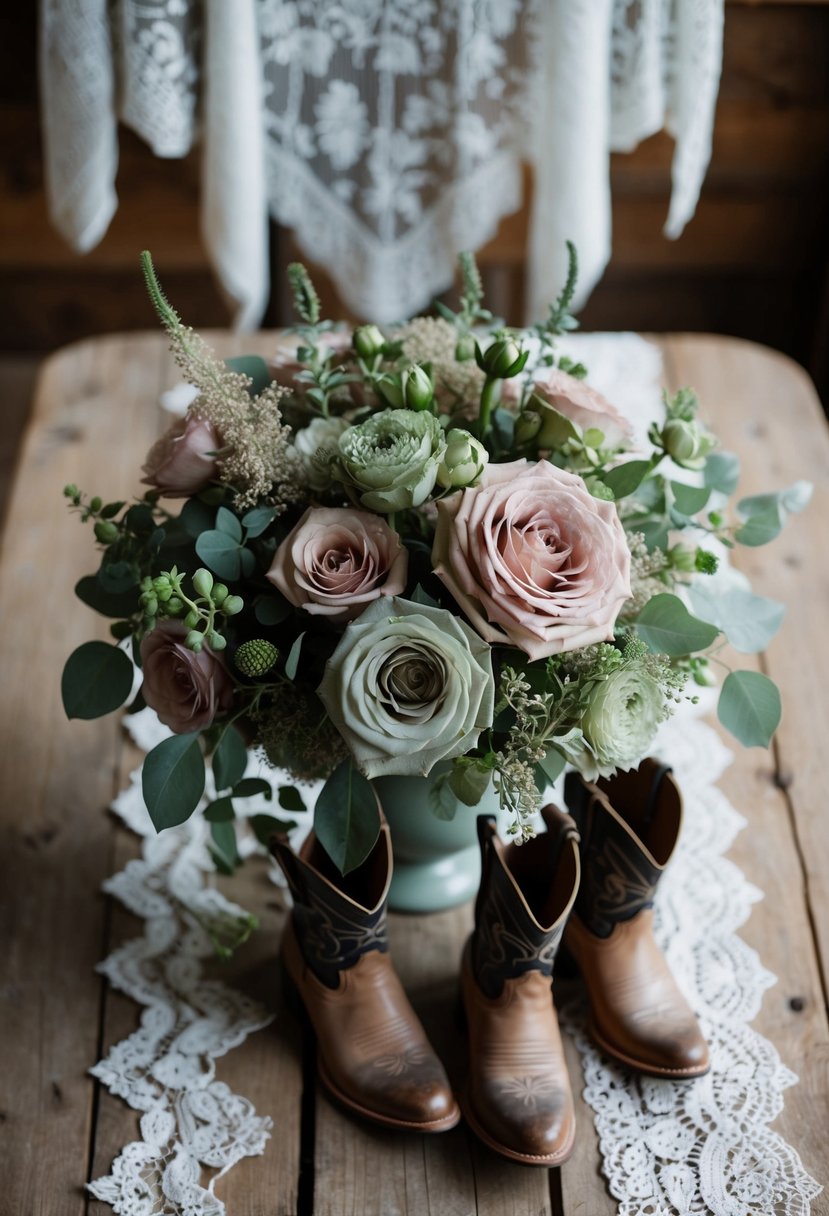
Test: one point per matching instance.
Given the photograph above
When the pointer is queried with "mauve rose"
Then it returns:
(185, 689)
(582, 405)
(182, 462)
(533, 559)
(337, 560)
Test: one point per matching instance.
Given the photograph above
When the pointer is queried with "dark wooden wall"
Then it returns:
(753, 262)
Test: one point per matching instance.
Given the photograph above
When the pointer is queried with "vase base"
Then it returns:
(433, 886)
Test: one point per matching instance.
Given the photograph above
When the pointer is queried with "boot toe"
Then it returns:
(678, 1051)
(416, 1096)
(527, 1122)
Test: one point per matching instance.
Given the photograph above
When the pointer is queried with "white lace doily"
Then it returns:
(668, 1148)
(388, 134)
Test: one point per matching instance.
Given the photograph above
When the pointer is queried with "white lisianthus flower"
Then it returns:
(390, 462)
(463, 462)
(322, 435)
(407, 686)
(619, 723)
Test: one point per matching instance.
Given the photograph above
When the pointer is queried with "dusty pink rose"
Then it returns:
(337, 560)
(181, 462)
(583, 405)
(185, 689)
(533, 559)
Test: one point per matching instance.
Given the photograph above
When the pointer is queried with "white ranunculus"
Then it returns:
(622, 716)
(407, 686)
(322, 435)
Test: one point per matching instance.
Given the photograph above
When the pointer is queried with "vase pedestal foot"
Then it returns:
(431, 886)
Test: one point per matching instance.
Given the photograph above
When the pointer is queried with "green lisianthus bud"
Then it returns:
(502, 359)
(410, 389)
(368, 341)
(105, 532)
(682, 558)
(203, 581)
(256, 657)
(687, 443)
(527, 427)
(194, 641)
(233, 605)
(465, 348)
(463, 461)
(702, 674)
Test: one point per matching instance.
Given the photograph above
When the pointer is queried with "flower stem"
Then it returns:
(489, 397)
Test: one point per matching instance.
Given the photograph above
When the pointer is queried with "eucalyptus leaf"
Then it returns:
(196, 517)
(258, 520)
(117, 578)
(228, 523)
(223, 846)
(346, 818)
(552, 765)
(558, 428)
(655, 532)
(722, 472)
(255, 368)
(113, 604)
(97, 679)
(220, 811)
(749, 621)
(689, 499)
(627, 477)
(230, 759)
(503, 427)
(666, 627)
(271, 609)
(470, 781)
(290, 798)
(443, 802)
(292, 661)
(749, 706)
(252, 787)
(761, 527)
(247, 563)
(419, 596)
(172, 780)
(221, 554)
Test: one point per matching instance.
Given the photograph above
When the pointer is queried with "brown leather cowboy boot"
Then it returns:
(629, 825)
(372, 1052)
(517, 1097)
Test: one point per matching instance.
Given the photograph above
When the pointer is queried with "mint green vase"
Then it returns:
(437, 862)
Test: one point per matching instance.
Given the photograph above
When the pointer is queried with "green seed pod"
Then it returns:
(174, 605)
(95, 504)
(216, 641)
(465, 348)
(194, 641)
(368, 341)
(256, 657)
(105, 532)
(232, 605)
(192, 619)
(203, 581)
(220, 594)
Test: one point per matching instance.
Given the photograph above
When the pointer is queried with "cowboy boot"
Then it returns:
(517, 1098)
(372, 1052)
(629, 825)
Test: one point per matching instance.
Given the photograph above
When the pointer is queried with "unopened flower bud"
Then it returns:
(410, 389)
(194, 641)
(463, 461)
(215, 640)
(527, 427)
(502, 359)
(203, 581)
(105, 532)
(95, 504)
(232, 605)
(71, 491)
(368, 341)
(256, 657)
(682, 558)
(174, 605)
(686, 443)
(192, 619)
(220, 594)
(150, 605)
(465, 348)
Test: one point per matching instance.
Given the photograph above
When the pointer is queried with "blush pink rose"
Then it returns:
(337, 560)
(583, 405)
(185, 689)
(182, 461)
(533, 559)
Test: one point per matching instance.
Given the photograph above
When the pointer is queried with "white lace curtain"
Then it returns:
(387, 134)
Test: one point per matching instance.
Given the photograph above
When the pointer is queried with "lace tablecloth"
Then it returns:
(668, 1148)
(388, 134)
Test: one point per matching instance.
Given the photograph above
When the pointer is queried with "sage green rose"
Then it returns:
(391, 461)
(619, 723)
(407, 686)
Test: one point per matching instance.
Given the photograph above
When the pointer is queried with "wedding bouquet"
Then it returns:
(390, 548)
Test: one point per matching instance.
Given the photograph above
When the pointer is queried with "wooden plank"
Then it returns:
(764, 408)
(17, 377)
(56, 778)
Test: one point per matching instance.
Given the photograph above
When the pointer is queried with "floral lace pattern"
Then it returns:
(388, 134)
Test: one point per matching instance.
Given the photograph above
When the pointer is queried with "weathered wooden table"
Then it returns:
(94, 416)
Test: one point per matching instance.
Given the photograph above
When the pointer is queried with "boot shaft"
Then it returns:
(629, 826)
(337, 918)
(524, 898)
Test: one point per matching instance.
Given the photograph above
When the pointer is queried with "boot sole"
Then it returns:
(549, 1160)
(649, 1070)
(295, 1003)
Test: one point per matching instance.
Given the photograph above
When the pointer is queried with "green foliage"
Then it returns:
(223, 847)
(346, 819)
(229, 759)
(173, 780)
(305, 299)
(625, 478)
(749, 621)
(666, 627)
(722, 472)
(292, 661)
(256, 370)
(749, 707)
(97, 679)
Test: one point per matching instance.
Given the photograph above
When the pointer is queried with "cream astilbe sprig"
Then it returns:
(256, 457)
